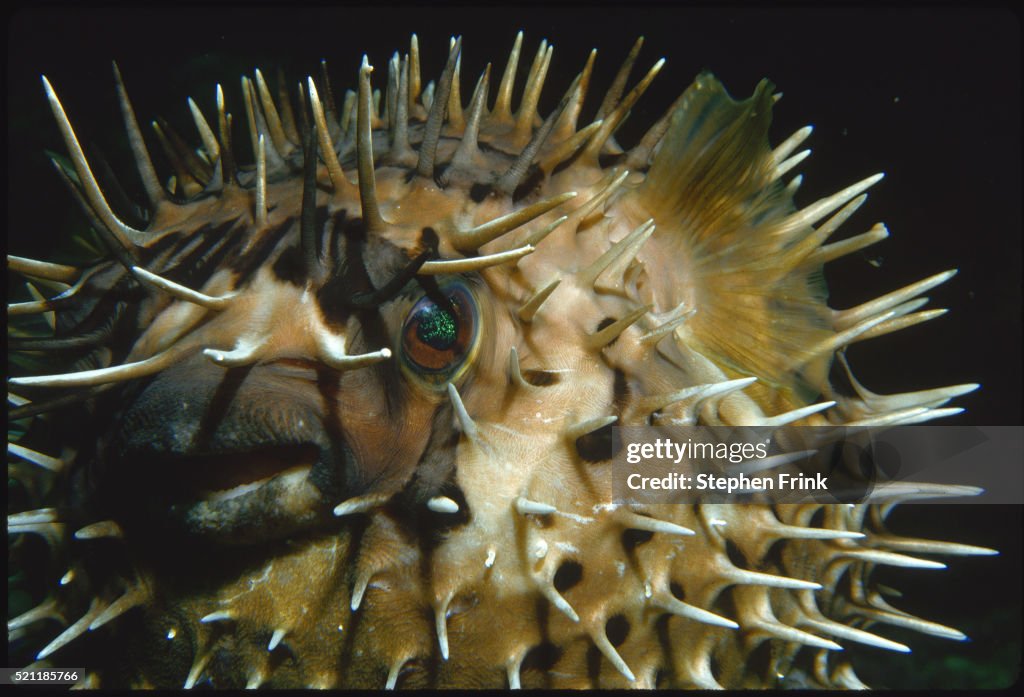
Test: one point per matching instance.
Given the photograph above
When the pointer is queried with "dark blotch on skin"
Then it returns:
(677, 591)
(569, 573)
(631, 539)
(478, 192)
(541, 378)
(759, 662)
(532, 182)
(735, 555)
(617, 630)
(253, 259)
(429, 239)
(542, 657)
(290, 267)
(596, 446)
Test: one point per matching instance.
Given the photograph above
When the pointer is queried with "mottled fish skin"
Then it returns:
(354, 399)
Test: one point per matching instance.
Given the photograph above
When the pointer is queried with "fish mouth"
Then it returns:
(216, 478)
(281, 503)
(241, 497)
(261, 466)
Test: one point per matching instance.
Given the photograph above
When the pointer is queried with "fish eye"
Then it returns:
(439, 339)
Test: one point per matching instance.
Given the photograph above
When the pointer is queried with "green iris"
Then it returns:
(437, 327)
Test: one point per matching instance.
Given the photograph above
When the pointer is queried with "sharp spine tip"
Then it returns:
(393, 673)
(104, 528)
(218, 616)
(276, 638)
(639, 522)
(858, 635)
(442, 504)
(530, 308)
(182, 292)
(360, 504)
(196, 671)
(466, 422)
(668, 602)
(758, 578)
(74, 631)
(359, 590)
(450, 266)
(525, 506)
(606, 648)
(556, 599)
(441, 625)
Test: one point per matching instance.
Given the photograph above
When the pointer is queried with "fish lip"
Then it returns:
(192, 472)
(215, 496)
(229, 474)
(275, 502)
(272, 508)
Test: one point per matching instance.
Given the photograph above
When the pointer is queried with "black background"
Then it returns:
(931, 96)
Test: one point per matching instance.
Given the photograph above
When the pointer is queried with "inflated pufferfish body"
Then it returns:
(366, 388)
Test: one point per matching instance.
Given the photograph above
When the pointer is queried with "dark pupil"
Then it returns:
(437, 327)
